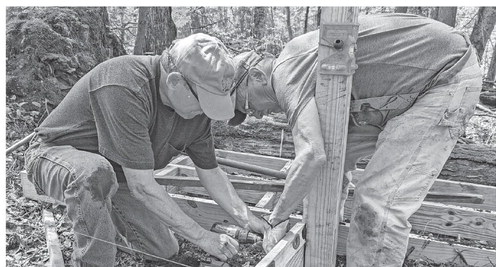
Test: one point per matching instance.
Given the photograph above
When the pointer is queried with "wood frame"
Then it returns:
(466, 221)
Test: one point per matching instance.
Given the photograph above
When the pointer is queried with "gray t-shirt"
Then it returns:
(397, 54)
(115, 110)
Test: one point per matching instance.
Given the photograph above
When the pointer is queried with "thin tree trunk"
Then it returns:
(259, 22)
(483, 27)
(195, 20)
(317, 16)
(288, 22)
(153, 30)
(491, 72)
(446, 15)
(305, 25)
(400, 9)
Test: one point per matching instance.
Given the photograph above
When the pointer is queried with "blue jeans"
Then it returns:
(408, 156)
(102, 211)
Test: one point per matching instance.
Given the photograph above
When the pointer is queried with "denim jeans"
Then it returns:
(407, 156)
(102, 211)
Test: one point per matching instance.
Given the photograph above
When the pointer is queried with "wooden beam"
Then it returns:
(338, 35)
(54, 253)
(488, 193)
(191, 181)
(207, 212)
(288, 252)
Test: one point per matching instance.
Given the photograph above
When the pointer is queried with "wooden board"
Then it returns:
(206, 213)
(288, 252)
(54, 252)
(488, 192)
(431, 217)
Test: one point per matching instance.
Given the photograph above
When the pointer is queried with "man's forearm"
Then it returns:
(221, 190)
(146, 190)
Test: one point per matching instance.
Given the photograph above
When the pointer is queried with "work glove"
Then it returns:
(274, 233)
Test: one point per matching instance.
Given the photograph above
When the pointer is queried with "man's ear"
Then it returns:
(258, 75)
(173, 79)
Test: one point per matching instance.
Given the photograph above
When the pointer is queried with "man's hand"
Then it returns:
(273, 234)
(219, 245)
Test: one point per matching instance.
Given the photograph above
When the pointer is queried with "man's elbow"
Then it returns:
(138, 191)
(316, 157)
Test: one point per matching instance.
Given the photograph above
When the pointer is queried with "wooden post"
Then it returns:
(338, 35)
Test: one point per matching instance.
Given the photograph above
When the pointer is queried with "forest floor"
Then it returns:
(26, 244)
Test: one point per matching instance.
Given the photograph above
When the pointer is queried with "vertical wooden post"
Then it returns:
(338, 35)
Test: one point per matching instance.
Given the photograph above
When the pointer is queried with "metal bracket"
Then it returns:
(340, 38)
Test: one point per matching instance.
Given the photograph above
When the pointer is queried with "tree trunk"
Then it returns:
(56, 47)
(155, 30)
(259, 22)
(400, 9)
(483, 27)
(288, 22)
(305, 25)
(491, 72)
(195, 20)
(446, 15)
(319, 11)
(241, 16)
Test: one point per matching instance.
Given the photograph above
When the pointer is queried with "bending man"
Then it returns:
(416, 87)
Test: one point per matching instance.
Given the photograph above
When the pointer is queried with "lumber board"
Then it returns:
(193, 181)
(207, 212)
(54, 252)
(286, 249)
(431, 217)
(488, 193)
(268, 200)
(255, 159)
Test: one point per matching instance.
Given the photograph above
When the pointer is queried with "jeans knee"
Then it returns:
(99, 179)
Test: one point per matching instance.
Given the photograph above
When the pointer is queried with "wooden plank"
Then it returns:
(54, 253)
(268, 200)
(206, 213)
(488, 193)
(286, 249)
(255, 159)
(332, 94)
(192, 181)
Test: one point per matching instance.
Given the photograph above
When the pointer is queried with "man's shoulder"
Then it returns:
(127, 71)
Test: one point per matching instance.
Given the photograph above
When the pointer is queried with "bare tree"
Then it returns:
(156, 30)
(491, 72)
(195, 16)
(400, 9)
(288, 22)
(259, 22)
(483, 27)
(305, 26)
(446, 15)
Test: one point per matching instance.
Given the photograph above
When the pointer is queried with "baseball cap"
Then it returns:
(206, 63)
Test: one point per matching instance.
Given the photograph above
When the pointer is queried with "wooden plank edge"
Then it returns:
(207, 212)
(54, 252)
(284, 251)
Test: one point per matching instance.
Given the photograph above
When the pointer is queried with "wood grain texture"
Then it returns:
(284, 253)
(206, 213)
(333, 94)
(54, 252)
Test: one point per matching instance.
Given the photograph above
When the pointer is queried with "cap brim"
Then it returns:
(216, 107)
(238, 118)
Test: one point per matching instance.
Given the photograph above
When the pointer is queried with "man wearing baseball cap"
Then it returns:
(96, 152)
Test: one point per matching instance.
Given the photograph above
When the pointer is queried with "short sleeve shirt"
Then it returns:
(115, 110)
(396, 54)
